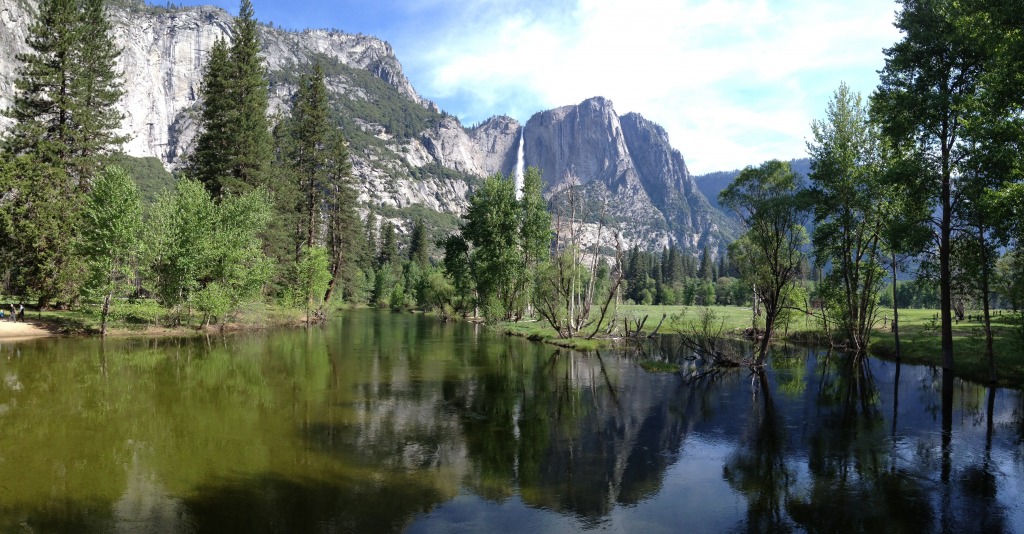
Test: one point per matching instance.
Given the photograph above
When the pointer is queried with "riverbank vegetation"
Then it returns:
(913, 200)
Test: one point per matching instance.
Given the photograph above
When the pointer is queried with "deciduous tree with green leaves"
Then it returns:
(111, 237)
(314, 275)
(209, 255)
(770, 252)
(846, 192)
(927, 88)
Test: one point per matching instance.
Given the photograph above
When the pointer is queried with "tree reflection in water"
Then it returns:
(389, 422)
(758, 469)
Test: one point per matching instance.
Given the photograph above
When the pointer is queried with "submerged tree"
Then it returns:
(567, 286)
(769, 254)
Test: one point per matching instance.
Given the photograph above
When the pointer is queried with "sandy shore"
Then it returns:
(22, 330)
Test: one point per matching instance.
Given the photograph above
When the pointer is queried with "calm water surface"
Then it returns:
(386, 422)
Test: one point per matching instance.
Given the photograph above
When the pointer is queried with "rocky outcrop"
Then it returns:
(164, 52)
(628, 167)
(483, 150)
(405, 152)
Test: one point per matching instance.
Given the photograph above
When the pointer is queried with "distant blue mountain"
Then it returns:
(713, 183)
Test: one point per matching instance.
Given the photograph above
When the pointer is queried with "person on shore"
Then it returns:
(21, 312)
(14, 316)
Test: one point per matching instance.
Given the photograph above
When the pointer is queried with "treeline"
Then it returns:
(677, 277)
(260, 210)
(263, 209)
(928, 168)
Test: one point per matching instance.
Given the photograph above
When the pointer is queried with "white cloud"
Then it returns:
(734, 82)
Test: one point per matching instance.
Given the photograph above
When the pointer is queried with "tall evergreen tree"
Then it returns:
(65, 121)
(210, 163)
(283, 239)
(388, 248)
(418, 243)
(40, 239)
(704, 271)
(311, 130)
(235, 148)
(369, 259)
(67, 89)
(252, 148)
(99, 87)
(344, 234)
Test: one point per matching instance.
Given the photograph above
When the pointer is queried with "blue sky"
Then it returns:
(734, 82)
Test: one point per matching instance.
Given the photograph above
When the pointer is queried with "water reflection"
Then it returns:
(390, 422)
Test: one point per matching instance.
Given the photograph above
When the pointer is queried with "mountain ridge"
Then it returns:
(406, 152)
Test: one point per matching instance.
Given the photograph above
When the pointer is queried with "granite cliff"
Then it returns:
(410, 157)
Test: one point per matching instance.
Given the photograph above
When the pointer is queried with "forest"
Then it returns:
(914, 200)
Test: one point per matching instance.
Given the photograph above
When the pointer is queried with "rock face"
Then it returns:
(480, 151)
(629, 165)
(405, 152)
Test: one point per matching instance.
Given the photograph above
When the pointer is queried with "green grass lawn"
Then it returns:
(919, 335)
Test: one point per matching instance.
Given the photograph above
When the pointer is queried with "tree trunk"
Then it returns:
(945, 274)
(895, 310)
(104, 313)
(984, 302)
(334, 278)
(762, 351)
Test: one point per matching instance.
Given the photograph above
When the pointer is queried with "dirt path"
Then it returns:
(21, 330)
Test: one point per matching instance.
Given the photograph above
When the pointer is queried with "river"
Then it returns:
(387, 422)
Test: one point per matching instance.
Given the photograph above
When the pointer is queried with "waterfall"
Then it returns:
(519, 163)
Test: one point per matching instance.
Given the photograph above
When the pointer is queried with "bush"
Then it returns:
(138, 312)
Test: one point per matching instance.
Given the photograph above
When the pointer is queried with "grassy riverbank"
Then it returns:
(919, 336)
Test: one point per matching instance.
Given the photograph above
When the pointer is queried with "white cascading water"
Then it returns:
(519, 164)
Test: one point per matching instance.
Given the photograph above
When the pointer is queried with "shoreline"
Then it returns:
(16, 331)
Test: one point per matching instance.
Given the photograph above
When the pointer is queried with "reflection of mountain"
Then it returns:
(392, 422)
(569, 432)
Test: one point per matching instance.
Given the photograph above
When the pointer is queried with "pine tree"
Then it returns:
(388, 246)
(704, 271)
(283, 239)
(344, 236)
(99, 88)
(252, 141)
(310, 132)
(369, 259)
(234, 150)
(66, 90)
(209, 163)
(418, 251)
(65, 122)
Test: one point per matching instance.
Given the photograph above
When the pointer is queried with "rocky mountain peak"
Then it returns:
(164, 52)
(406, 154)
